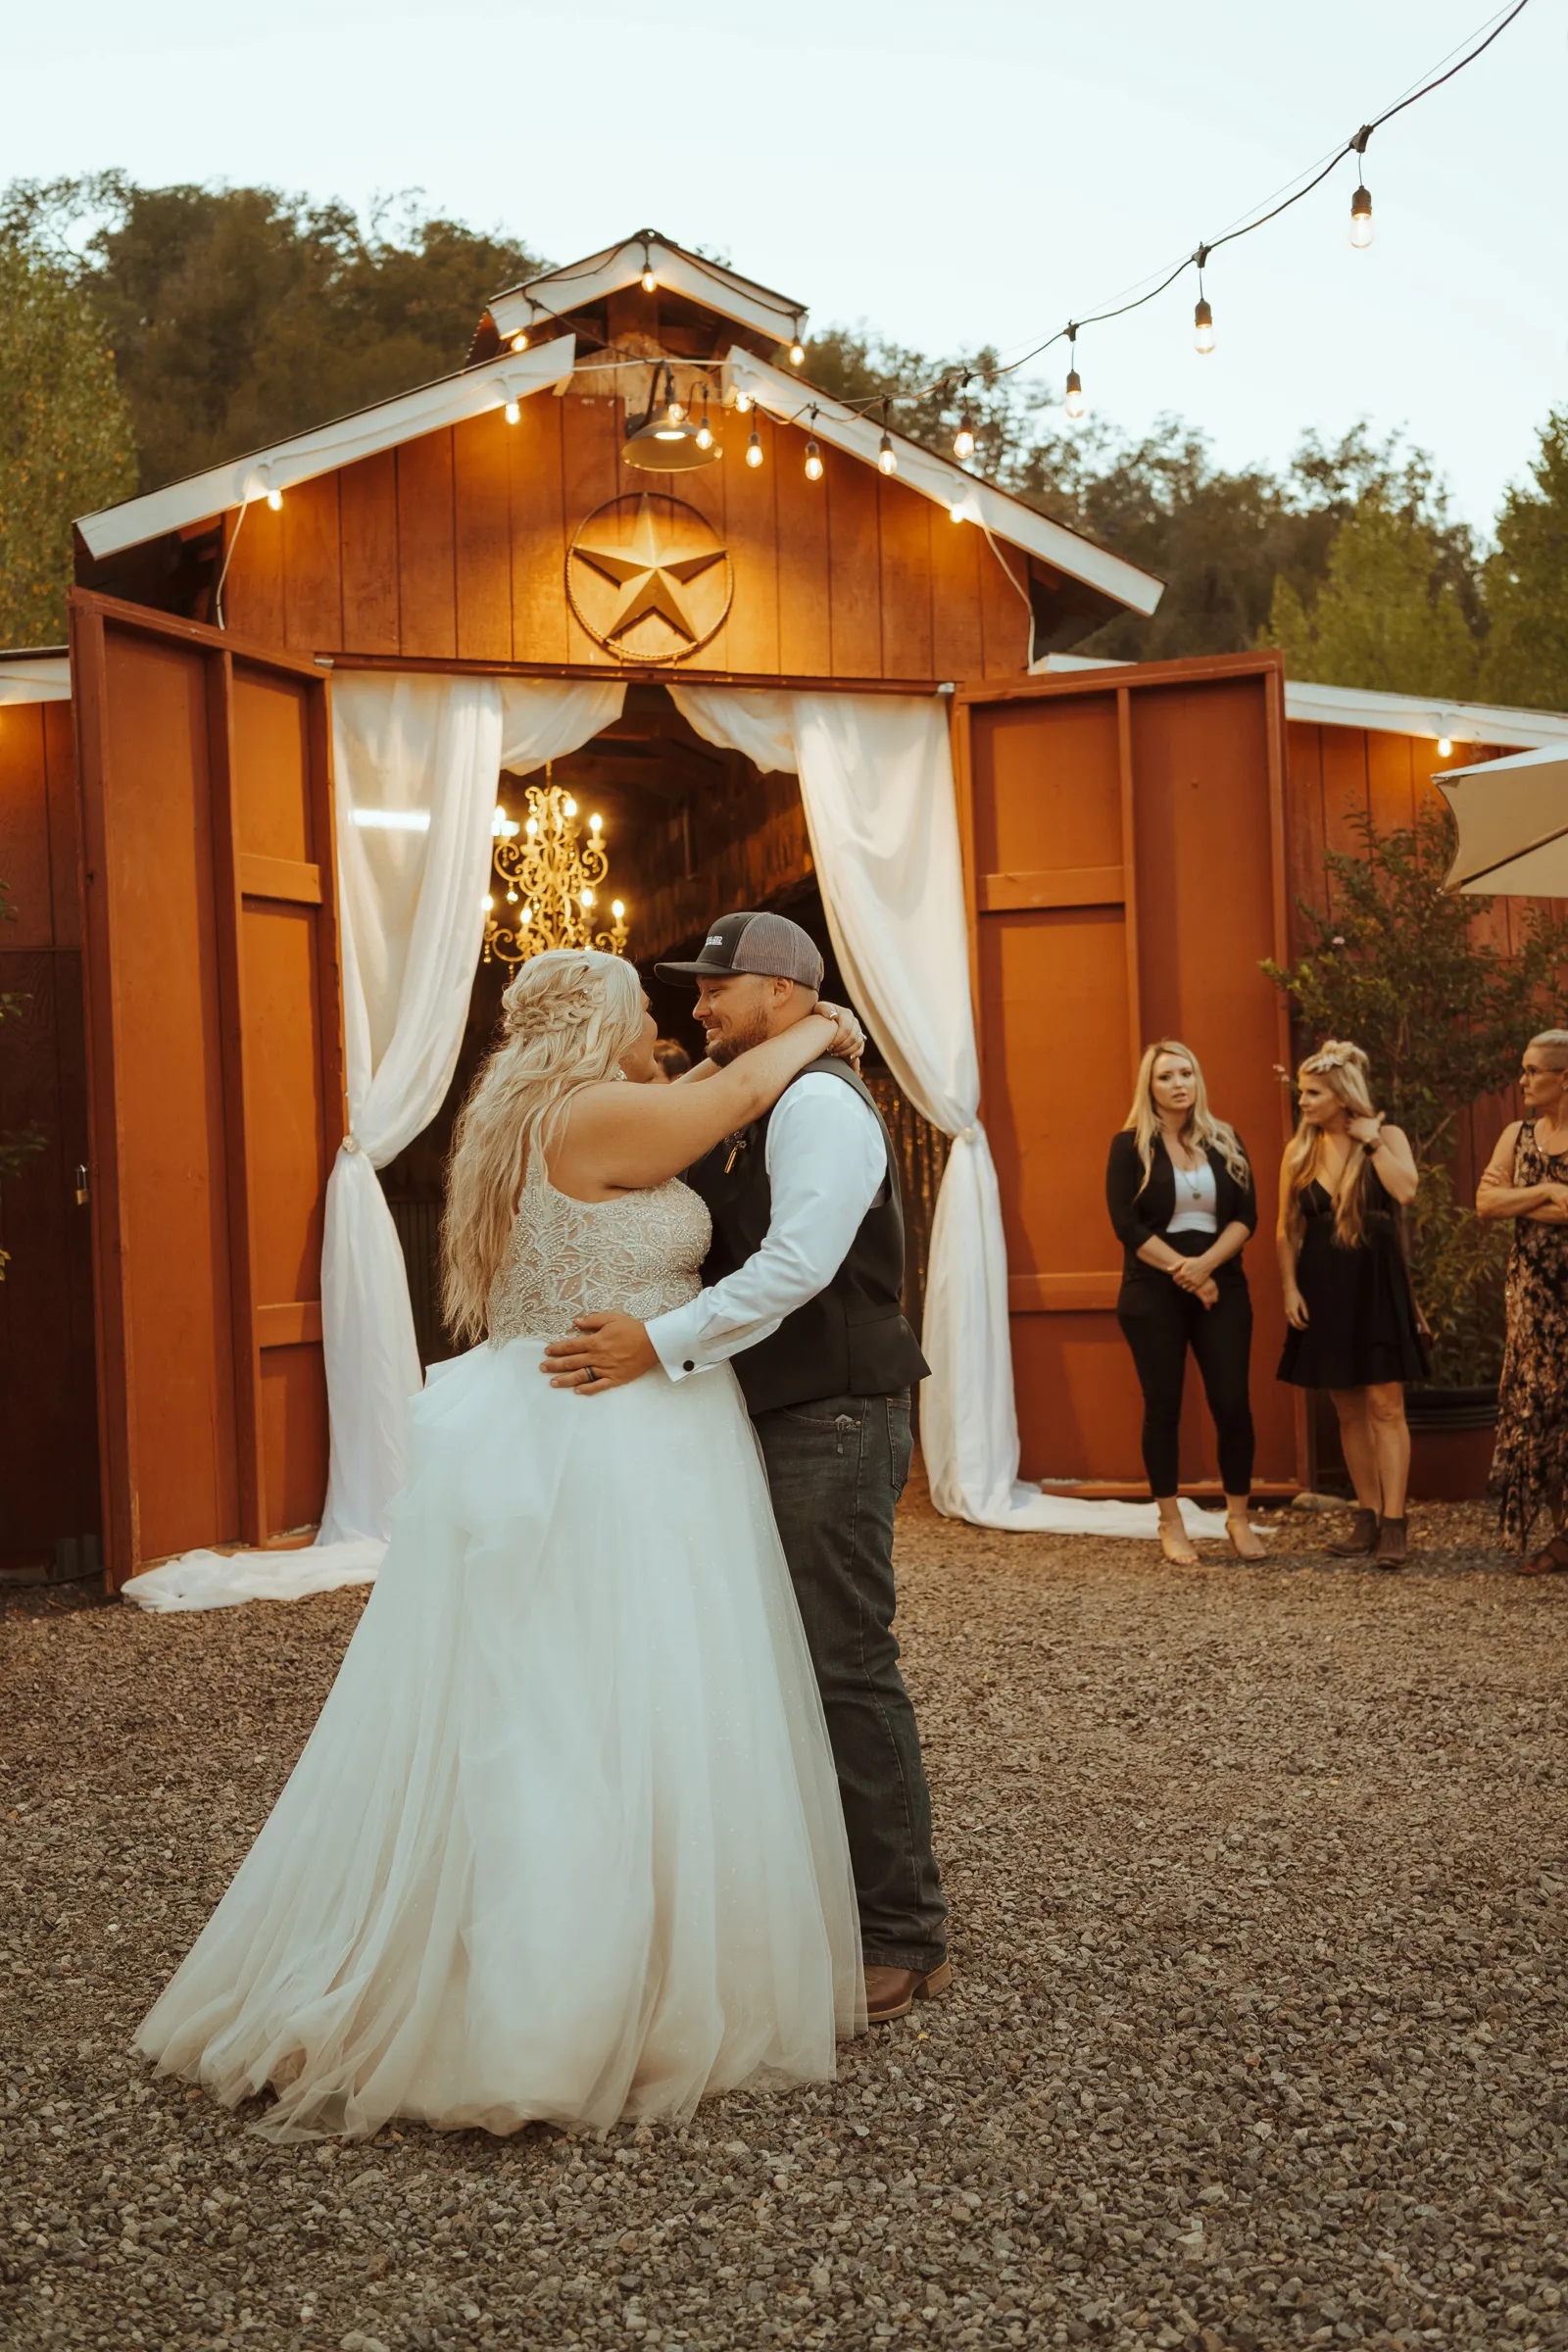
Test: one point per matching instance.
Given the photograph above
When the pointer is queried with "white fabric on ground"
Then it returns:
(566, 1840)
(220, 1580)
(425, 752)
(876, 780)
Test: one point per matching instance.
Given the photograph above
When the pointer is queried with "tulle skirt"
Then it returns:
(566, 1842)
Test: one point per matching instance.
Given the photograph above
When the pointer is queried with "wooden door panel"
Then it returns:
(215, 1074)
(272, 764)
(1125, 875)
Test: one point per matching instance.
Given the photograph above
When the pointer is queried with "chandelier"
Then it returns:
(547, 881)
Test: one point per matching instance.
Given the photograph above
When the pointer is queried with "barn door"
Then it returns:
(216, 1082)
(1125, 871)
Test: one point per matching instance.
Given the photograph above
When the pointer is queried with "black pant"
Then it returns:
(1161, 1323)
(836, 1468)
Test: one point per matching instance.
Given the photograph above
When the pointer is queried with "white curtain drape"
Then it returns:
(415, 761)
(876, 780)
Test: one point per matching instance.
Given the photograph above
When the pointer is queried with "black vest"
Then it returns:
(851, 1340)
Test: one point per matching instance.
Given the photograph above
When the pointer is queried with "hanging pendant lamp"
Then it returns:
(666, 440)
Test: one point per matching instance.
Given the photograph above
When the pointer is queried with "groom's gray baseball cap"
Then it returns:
(769, 943)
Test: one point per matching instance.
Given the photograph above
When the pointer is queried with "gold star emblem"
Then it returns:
(639, 562)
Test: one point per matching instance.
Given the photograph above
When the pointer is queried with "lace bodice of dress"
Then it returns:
(639, 1254)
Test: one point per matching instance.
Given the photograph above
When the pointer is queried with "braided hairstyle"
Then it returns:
(567, 1020)
(1346, 1071)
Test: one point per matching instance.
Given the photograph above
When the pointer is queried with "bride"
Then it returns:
(565, 1841)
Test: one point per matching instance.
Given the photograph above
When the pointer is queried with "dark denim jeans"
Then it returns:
(836, 1468)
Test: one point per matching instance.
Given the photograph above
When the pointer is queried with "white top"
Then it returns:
(826, 1163)
(1197, 1200)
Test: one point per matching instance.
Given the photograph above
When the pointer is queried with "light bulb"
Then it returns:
(531, 827)
(753, 448)
(1361, 218)
(1074, 403)
(498, 824)
(570, 806)
(274, 499)
(594, 823)
(956, 510)
(1444, 746)
(520, 342)
(797, 352)
(886, 456)
(650, 281)
(814, 463)
(674, 410)
(743, 403)
(511, 898)
(488, 905)
(963, 440)
(705, 431)
(617, 908)
(513, 412)
(526, 916)
(1202, 327)
(585, 897)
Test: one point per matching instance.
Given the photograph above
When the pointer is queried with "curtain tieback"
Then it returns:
(967, 1135)
(351, 1143)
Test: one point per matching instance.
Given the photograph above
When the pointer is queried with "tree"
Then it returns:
(64, 436)
(1527, 584)
(239, 316)
(1383, 618)
(1441, 1015)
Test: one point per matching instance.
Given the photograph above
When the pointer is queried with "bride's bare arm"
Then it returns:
(623, 1138)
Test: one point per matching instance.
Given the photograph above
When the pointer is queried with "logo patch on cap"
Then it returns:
(714, 939)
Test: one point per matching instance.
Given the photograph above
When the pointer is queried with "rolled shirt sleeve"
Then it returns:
(826, 1163)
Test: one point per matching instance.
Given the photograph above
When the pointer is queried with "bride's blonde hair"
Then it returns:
(565, 1022)
(1346, 1071)
(1202, 1130)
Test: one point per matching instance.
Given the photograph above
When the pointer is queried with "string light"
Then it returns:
(814, 463)
(1361, 218)
(513, 412)
(1444, 746)
(1074, 403)
(887, 457)
(956, 510)
(796, 348)
(963, 440)
(649, 280)
(753, 448)
(1202, 315)
(519, 341)
(705, 431)
(674, 410)
(274, 499)
(742, 404)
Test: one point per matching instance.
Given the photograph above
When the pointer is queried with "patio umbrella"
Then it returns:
(1512, 816)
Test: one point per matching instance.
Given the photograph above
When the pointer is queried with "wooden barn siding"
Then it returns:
(48, 1422)
(1333, 776)
(452, 546)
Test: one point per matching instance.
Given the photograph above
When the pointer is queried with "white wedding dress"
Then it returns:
(565, 1841)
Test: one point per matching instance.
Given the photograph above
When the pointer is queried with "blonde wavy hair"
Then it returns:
(1202, 1131)
(565, 1022)
(1346, 1071)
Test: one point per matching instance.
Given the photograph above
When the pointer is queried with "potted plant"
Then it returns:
(1399, 966)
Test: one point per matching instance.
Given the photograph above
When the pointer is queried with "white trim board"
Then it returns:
(560, 292)
(1383, 713)
(475, 392)
(35, 678)
(965, 496)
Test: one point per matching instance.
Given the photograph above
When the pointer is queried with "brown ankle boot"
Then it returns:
(1361, 1539)
(1391, 1549)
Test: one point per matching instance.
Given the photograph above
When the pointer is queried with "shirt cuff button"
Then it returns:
(689, 1366)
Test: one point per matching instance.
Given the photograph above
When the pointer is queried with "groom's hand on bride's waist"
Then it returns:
(605, 1351)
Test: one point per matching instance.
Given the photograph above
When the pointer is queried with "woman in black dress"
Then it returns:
(1181, 1198)
(1354, 1327)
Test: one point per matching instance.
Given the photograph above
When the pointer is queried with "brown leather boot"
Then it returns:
(1361, 1539)
(892, 1992)
(1392, 1550)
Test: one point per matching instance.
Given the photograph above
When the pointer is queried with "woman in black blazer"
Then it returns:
(1181, 1198)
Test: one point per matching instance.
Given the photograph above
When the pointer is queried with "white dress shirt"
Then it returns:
(826, 1163)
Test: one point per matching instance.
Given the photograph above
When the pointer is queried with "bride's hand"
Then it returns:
(849, 1042)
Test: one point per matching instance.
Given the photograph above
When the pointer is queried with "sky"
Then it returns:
(950, 174)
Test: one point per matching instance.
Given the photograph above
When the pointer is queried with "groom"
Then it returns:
(803, 1290)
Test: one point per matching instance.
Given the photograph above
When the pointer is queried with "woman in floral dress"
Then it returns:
(1526, 1179)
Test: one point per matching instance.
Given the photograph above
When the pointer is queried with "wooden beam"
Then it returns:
(287, 878)
(632, 674)
(1060, 886)
(295, 1323)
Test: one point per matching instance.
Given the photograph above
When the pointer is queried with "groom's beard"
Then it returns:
(738, 1039)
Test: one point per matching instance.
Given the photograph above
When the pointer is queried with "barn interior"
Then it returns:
(690, 831)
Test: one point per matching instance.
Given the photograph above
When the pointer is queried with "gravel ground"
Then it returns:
(1257, 2037)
